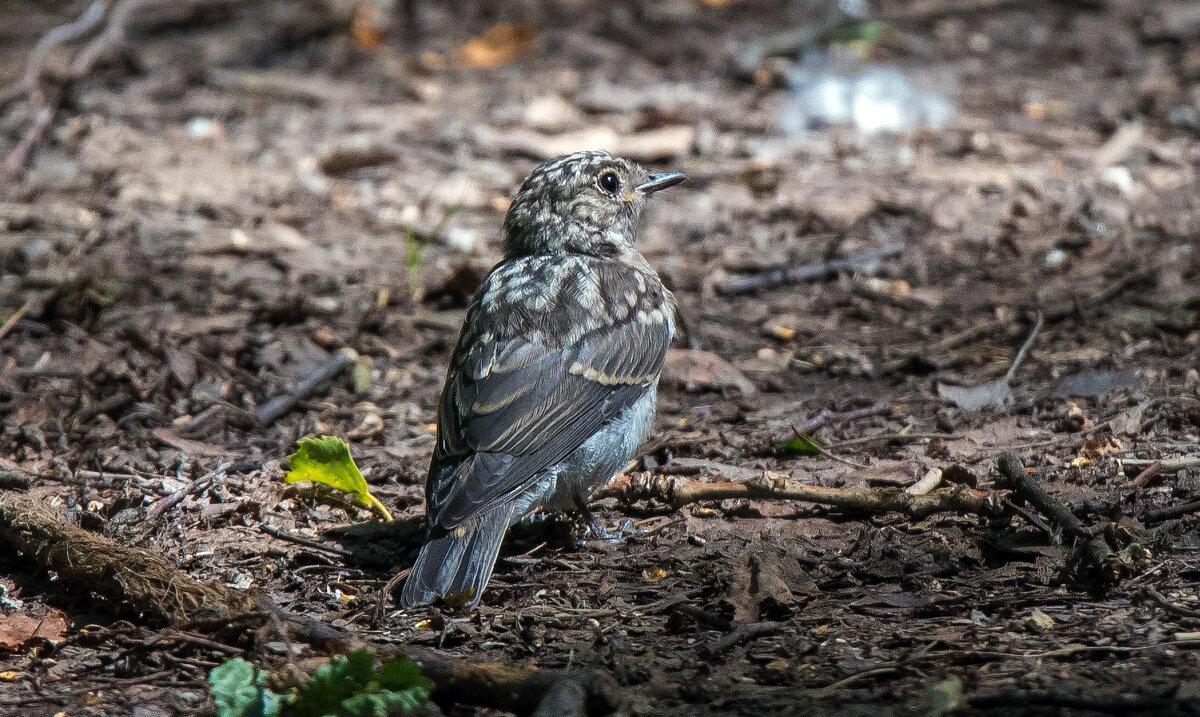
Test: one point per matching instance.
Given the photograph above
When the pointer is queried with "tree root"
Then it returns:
(136, 580)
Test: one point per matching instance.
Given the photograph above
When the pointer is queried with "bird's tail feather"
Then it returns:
(455, 562)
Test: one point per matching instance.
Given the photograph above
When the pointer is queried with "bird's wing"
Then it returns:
(515, 406)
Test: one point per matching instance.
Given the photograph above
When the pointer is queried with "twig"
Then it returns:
(16, 158)
(113, 36)
(834, 687)
(742, 632)
(1037, 329)
(306, 542)
(12, 320)
(827, 417)
(83, 63)
(1026, 487)
(681, 491)
(1174, 511)
(1033, 518)
(1166, 465)
(276, 407)
(823, 451)
(162, 505)
(1163, 602)
(60, 35)
(863, 261)
(1145, 476)
(888, 438)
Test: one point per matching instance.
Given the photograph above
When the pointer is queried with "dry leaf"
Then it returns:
(369, 26)
(17, 629)
(499, 45)
(698, 370)
(654, 574)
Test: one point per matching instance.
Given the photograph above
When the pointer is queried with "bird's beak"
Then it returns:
(660, 180)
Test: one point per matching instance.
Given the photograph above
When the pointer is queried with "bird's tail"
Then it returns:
(461, 560)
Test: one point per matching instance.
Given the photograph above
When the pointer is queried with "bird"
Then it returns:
(552, 383)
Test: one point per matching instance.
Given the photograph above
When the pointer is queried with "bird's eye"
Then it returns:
(609, 181)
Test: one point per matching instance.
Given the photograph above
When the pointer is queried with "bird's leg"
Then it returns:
(593, 523)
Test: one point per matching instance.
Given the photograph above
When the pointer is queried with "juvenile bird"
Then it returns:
(551, 387)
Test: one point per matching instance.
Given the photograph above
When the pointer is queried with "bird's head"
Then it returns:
(582, 203)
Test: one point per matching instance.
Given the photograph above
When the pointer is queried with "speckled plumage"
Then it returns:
(552, 384)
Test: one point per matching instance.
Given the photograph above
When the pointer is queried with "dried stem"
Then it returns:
(1025, 486)
(682, 491)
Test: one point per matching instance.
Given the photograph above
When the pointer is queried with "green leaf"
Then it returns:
(350, 686)
(859, 33)
(458, 601)
(238, 689)
(327, 460)
(945, 697)
(798, 445)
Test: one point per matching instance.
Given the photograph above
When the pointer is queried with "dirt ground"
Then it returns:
(204, 214)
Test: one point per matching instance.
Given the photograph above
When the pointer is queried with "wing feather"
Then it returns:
(518, 405)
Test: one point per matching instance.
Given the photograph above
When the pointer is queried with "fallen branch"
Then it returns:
(863, 261)
(1096, 552)
(889, 438)
(679, 492)
(1162, 601)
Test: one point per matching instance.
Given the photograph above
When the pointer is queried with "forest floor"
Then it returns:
(214, 205)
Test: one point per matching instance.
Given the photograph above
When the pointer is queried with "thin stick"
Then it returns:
(1163, 602)
(826, 417)
(1166, 465)
(1146, 475)
(113, 35)
(794, 275)
(16, 158)
(12, 320)
(1037, 329)
(681, 491)
(199, 484)
(306, 542)
(888, 437)
(71, 31)
(1026, 487)
(276, 407)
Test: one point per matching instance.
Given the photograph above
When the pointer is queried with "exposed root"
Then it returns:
(136, 580)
